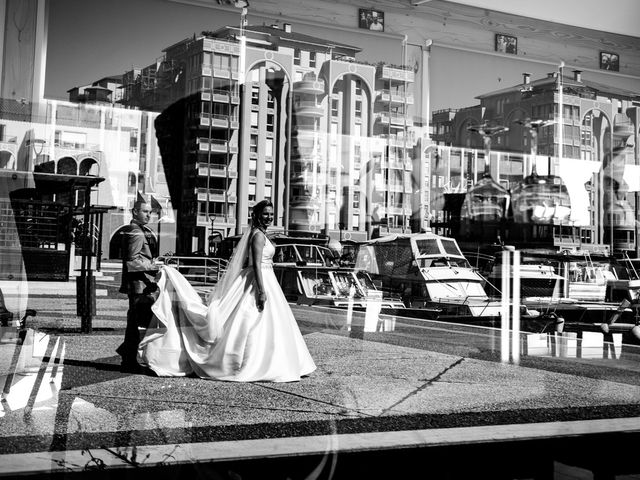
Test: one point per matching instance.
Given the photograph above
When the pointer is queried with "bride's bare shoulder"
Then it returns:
(258, 237)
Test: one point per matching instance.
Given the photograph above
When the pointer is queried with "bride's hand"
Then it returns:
(262, 298)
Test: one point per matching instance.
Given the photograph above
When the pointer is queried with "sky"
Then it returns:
(91, 39)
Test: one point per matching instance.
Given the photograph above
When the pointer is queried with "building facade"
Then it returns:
(262, 112)
(588, 130)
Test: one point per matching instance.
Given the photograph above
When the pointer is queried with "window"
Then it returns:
(355, 219)
(267, 192)
(312, 59)
(296, 56)
(252, 192)
(253, 168)
(268, 148)
(254, 119)
(255, 95)
(358, 108)
(268, 170)
(334, 107)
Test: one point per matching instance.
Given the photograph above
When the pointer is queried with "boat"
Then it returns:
(311, 275)
(428, 272)
(576, 291)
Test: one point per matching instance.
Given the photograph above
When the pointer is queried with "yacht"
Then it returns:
(428, 271)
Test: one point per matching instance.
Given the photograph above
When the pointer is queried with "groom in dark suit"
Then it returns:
(138, 273)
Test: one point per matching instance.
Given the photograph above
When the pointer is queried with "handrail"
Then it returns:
(197, 270)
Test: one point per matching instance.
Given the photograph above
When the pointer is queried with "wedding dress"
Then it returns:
(228, 339)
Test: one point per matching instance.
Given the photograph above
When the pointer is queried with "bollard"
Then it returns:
(86, 301)
(510, 306)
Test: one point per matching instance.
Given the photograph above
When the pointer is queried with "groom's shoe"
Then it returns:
(130, 367)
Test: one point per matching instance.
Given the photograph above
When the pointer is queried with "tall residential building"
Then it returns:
(591, 126)
(264, 112)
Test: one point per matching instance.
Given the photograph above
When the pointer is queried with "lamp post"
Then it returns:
(533, 126)
(487, 133)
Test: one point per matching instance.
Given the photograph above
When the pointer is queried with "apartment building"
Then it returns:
(590, 126)
(263, 112)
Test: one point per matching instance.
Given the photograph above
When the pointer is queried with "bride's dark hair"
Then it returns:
(258, 208)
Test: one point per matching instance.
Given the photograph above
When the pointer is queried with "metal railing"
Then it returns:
(197, 270)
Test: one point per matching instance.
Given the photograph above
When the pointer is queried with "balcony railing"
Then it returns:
(314, 87)
(216, 146)
(388, 72)
(211, 194)
(220, 121)
(383, 96)
(383, 118)
(309, 109)
(221, 73)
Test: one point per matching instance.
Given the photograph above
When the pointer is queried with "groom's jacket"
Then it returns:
(138, 270)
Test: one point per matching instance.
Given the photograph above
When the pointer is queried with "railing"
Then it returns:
(197, 270)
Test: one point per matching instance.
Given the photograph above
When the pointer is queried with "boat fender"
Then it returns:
(635, 331)
(559, 324)
(604, 327)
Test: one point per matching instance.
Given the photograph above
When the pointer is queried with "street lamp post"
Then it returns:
(487, 133)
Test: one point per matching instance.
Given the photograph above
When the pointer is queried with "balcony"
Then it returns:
(383, 118)
(211, 194)
(397, 119)
(215, 146)
(383, 96)
(312, 87)
(388, 72)
(396, 164)
(221, 73)
(219, 121)
(308, 109)
(221, 96)
(212, 170)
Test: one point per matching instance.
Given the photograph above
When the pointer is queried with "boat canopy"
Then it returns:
(400, 254)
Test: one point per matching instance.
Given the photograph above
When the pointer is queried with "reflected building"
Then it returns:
(90, 138)
(264, 112)
(592, 124)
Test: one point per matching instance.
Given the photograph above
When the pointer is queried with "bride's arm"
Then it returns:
(257, 244)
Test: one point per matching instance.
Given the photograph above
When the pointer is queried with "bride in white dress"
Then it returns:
(246, 332)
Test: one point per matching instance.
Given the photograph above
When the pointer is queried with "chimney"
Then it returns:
(577, 75)
(526, 78)
(287, 27)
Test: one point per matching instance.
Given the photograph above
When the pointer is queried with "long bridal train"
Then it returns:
(228, 339)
